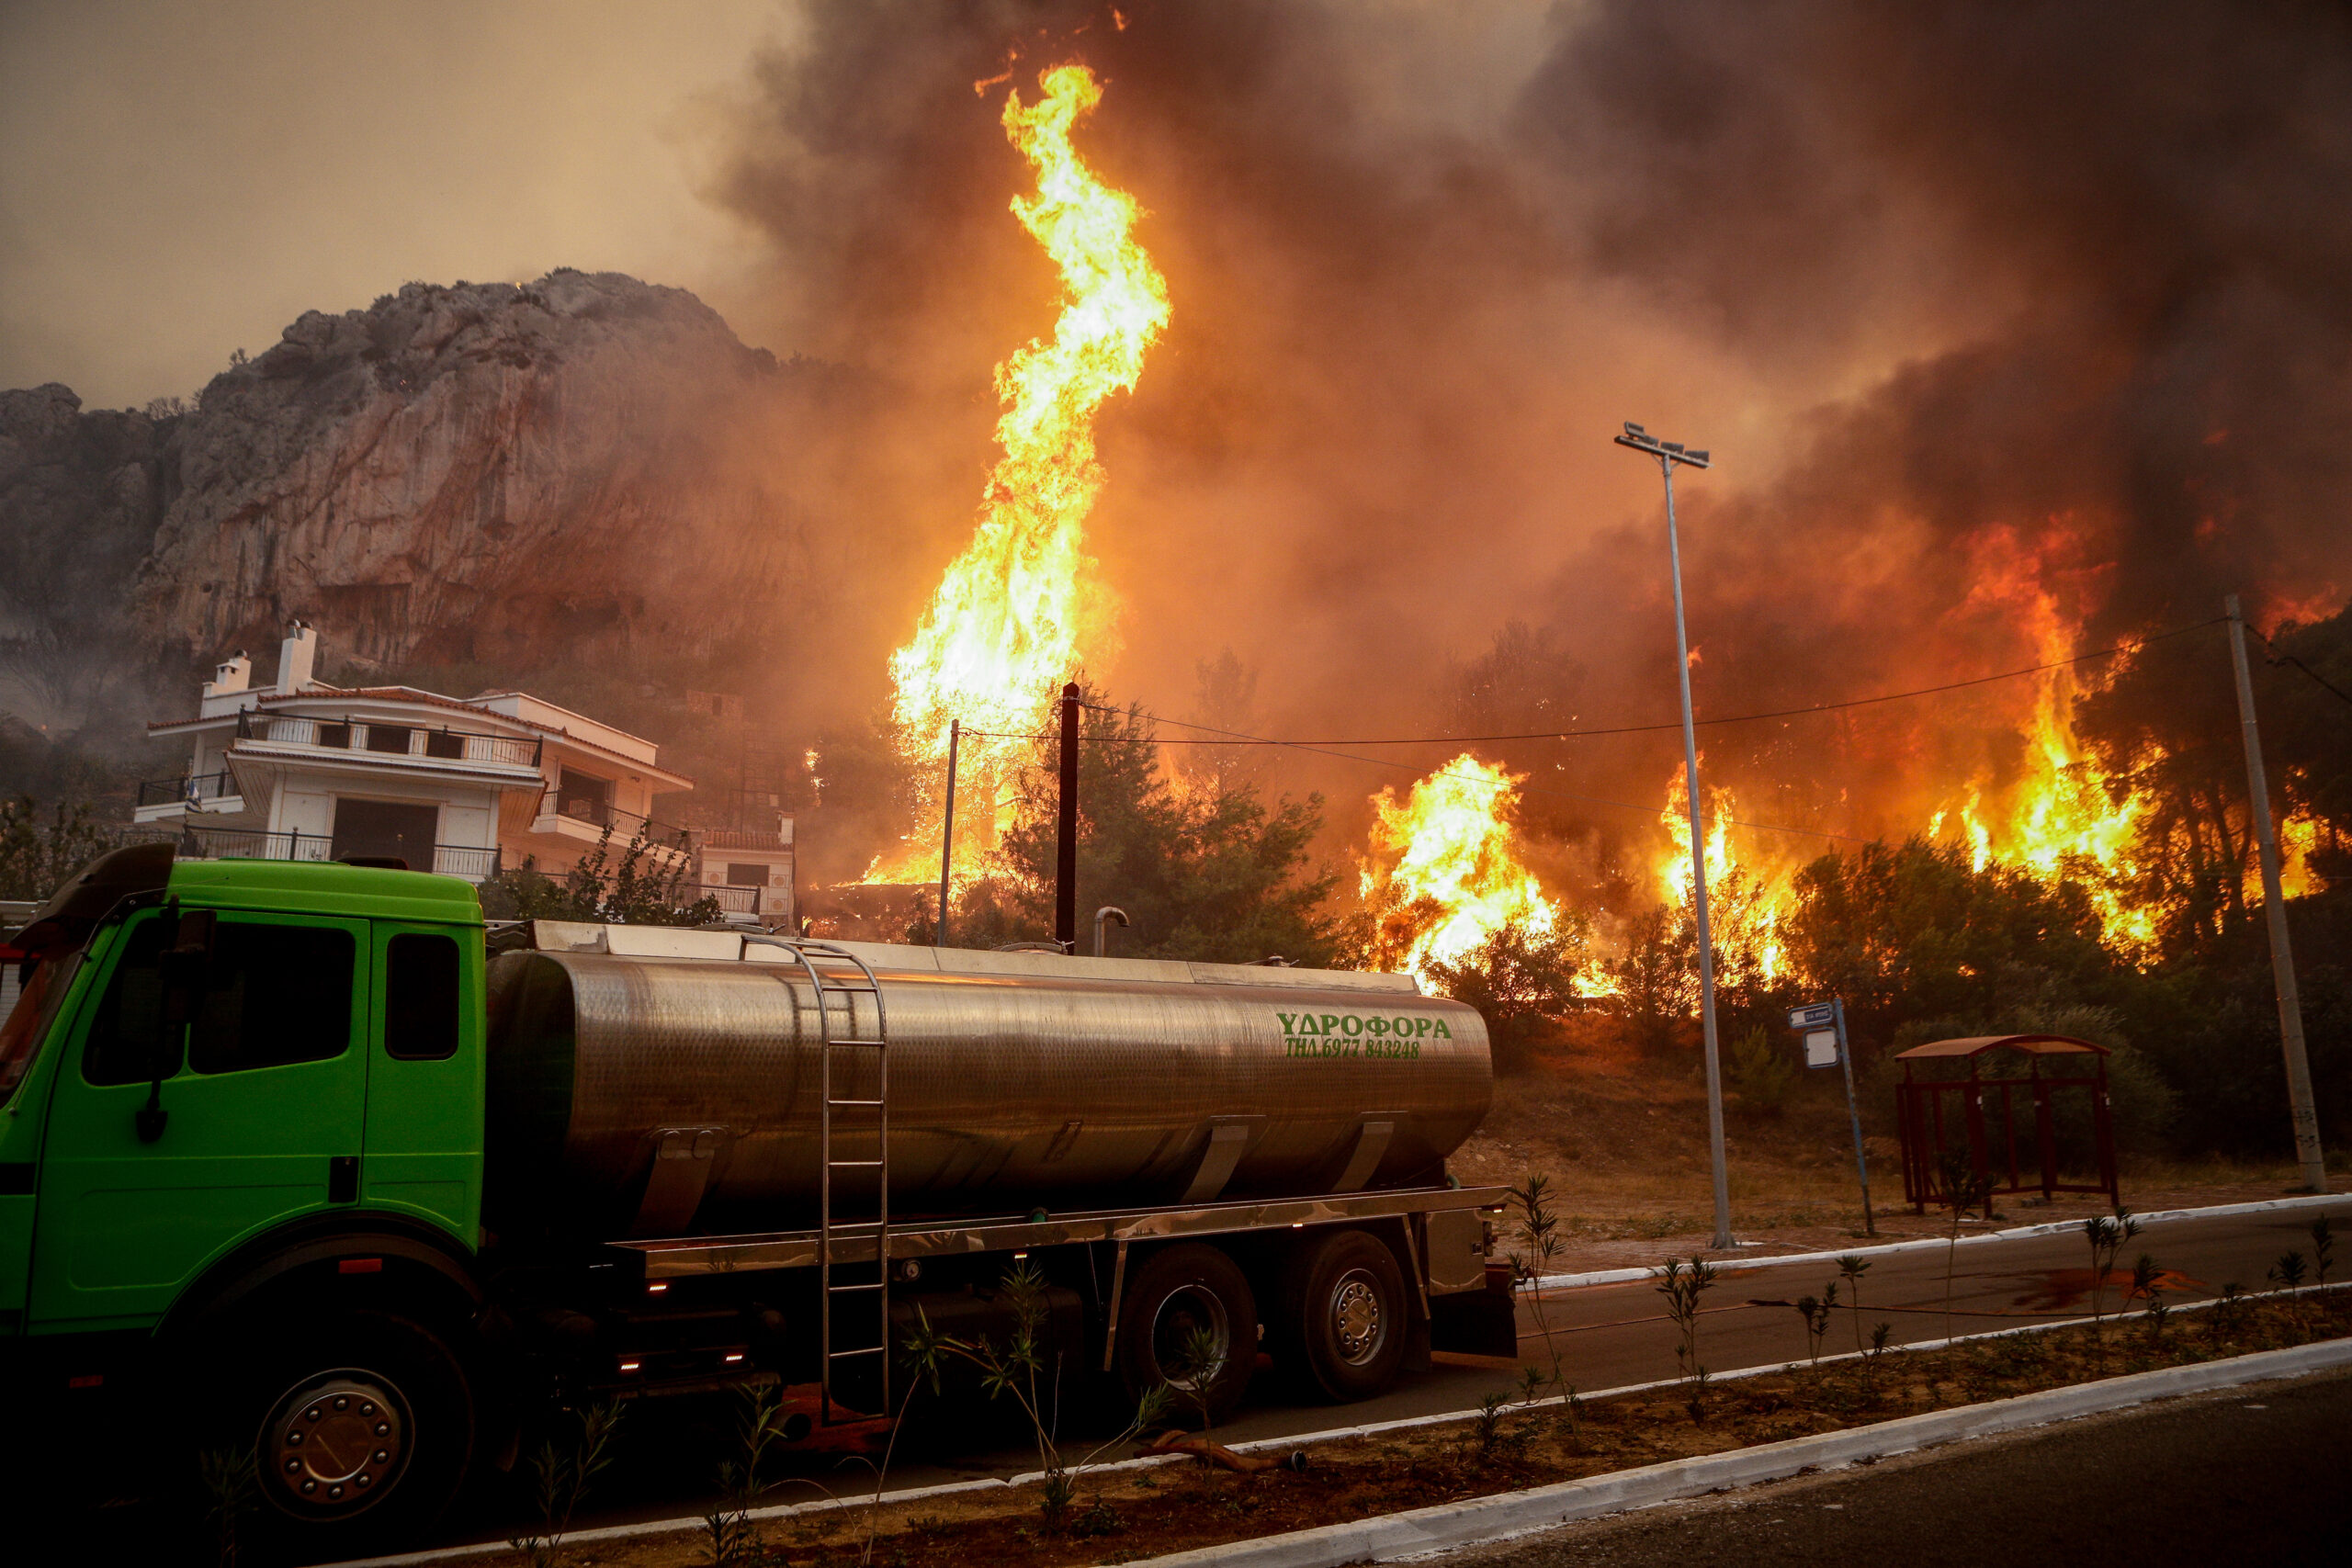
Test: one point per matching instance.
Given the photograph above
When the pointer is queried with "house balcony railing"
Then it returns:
(435, 741)
(596, 815)
(192, 789)
(731, 900)
(468, 860)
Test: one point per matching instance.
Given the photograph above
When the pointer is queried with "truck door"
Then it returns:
(424, 1081)
(264, 1114)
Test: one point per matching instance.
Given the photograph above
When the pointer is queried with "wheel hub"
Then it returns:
(334, 1443)
(1188, 1330)
(1356, 1321)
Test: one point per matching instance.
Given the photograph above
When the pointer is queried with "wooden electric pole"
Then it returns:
(2301, 1109)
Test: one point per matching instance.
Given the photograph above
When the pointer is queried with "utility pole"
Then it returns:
(2301, 1110)
(1668, 453)
(947, 827)
(1066, 846)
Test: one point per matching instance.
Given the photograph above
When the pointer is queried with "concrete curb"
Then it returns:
(1424, 1531)
(1921, 1243)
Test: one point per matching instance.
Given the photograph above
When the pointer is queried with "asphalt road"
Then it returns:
(1607, 1337)
(2242, 1475)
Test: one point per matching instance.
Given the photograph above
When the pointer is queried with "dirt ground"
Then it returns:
(1121, 1516)
(1624, 1142)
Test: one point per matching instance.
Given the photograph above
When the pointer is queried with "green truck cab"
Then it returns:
(241, 1158)
(251, 1113)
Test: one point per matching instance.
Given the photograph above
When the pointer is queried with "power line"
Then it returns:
(1324, 748)
(2277, 657)
(1731, 718)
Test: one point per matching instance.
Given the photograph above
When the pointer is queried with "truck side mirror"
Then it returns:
(183, 969)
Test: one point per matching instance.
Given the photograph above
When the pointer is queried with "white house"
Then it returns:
(306, 771)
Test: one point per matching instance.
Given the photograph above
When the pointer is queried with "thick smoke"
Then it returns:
(1980, 307)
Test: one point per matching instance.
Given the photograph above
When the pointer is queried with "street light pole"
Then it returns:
(1669, 453)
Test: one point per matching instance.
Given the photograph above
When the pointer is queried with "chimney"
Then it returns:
(231, 676)
(296, 656)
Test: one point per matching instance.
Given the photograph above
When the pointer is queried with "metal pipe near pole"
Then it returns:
(2304, 1112)
(1065, 836)
(1669, 453)
(947, 826)
(1853, 1112)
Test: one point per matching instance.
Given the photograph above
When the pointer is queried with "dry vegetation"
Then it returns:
(1624, 1138)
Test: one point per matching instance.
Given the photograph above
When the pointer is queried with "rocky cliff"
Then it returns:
(510, 474)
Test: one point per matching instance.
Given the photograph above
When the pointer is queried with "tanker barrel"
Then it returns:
(647, 1095)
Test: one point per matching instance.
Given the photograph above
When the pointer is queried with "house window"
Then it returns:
(584, 796)
(740, 876)
(441, 743)
(392, 737)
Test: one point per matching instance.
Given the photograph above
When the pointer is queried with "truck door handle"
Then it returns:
(343, 1178)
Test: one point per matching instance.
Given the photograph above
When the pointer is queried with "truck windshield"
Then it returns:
(46, 979)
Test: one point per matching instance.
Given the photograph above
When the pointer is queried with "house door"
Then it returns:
(386, 829)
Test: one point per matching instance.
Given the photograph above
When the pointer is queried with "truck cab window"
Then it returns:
(123, 1037)
(421, 997)
(274, 994)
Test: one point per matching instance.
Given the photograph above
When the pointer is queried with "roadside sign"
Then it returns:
(1821, 1048)
(1822, 1024)
(1820, 1015)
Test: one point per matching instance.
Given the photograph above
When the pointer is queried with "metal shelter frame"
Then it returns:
(1987, 1107)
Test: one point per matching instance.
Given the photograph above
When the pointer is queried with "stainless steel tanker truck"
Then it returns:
(293, 1159)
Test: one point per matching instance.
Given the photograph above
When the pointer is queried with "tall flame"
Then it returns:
(1445, 868)
(1744, 901)
(1005, 627)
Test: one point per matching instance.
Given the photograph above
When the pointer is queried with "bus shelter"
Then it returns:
(1973, 1093)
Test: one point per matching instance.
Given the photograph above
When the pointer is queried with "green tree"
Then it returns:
(648, 886)
(1521, 981)
(38, 853)
(1205, 870)
(1912, 930)
(1656, 974)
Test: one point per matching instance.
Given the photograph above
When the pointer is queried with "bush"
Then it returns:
(1519, 981)
(1761, 1073)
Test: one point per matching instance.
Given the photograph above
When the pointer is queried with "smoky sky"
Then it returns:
(1984, 310)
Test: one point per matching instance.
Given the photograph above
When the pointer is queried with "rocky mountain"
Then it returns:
(486, 473)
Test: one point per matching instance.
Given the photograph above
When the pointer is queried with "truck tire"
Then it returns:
(1340, 1321)
(1178, 1293)
(361, 1426)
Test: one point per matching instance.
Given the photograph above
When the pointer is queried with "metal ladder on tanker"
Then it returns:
(837, 975)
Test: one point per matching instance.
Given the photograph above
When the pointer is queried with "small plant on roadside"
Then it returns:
(561, 1476)
(232, 1486)
(1851, 1267)
(1682, 1286)
(1539, 1244)
(2288, 1272)
(1019, 1369)
(2323, 1248)
(2106, 1235)
(2148, 1286)
(730, 1537)
(1815, 1310)
(2229, 1311)
(1964, 1188)
(1880, 1335)
(1486, 1426)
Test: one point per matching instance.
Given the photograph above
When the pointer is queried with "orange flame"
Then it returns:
(1445, 862)
(1745, 902)
(1004, 628)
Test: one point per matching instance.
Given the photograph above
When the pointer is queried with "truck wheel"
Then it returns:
(1341, 1316)
(1180, 1294)
(361, 1429)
